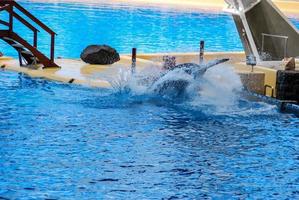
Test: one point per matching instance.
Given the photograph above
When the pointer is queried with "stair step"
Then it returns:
(18, 46)
(8, 39)
(27, 52)
(35, 59)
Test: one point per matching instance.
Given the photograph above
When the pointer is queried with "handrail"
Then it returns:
(25, 22)
(272, 90)
(8, 5)
(37, 21)
(4, 23)
(10, 10)
(4, 7)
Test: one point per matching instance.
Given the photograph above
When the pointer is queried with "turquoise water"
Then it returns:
(61, 141)
(125, 27)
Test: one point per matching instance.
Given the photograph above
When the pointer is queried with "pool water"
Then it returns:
(60, 141)
(125, 27)
(63, 141)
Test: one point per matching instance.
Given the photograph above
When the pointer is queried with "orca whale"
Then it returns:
(177, 85)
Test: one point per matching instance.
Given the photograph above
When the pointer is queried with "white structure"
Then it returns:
(266, 33)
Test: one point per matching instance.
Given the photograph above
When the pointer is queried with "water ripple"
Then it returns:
(98, 144)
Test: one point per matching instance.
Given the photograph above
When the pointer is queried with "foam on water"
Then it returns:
(220, 89)
(120, 81)
(218, 92)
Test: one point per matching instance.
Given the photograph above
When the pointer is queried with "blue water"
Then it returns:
(61, 141)
(68, 142)
(125, 27)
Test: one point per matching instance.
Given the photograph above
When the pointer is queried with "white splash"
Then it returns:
(121, 80)
(141, 82)
(219, 88)
(217, 92)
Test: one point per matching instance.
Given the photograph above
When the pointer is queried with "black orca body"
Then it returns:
(178, 86)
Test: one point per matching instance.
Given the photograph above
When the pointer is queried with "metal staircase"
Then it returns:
(28, 53)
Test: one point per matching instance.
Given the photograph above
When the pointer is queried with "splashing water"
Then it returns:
(120, 81)
(220, 89)
(135, 84)
(218, 92)
(141, 82)
(173, 84)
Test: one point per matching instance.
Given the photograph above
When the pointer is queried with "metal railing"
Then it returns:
(282, 37)
(11, 6)
(270, 87)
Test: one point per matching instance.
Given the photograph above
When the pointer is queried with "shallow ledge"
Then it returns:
(77, 72)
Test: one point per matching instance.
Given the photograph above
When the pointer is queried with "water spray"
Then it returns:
(169, 62)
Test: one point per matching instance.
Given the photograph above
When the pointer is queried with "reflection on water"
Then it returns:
(59, 141)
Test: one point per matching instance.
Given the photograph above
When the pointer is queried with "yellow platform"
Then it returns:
(77, 72)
